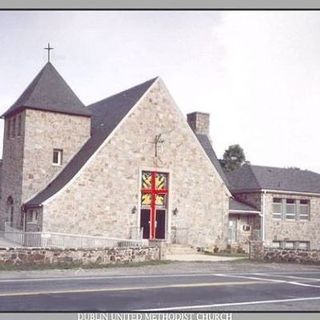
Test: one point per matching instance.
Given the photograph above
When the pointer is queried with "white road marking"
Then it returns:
(290, 277)
(166, 286)
(109, 277)
(249, 277)
(206, 306)
(76, 278)
(268, 280)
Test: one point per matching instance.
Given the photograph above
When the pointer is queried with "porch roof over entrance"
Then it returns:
(237, 207)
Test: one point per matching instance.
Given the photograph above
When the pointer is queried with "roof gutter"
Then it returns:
(277, 191)
(246, 211)
(290, 192)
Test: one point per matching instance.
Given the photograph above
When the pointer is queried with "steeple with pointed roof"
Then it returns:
(49, 92)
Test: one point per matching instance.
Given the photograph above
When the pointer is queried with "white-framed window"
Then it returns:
(304, 209)
(303, 245)
(277, 208)
(276, 244)
(57, 157)
(32, 216)
(290, 209)
(289, 244)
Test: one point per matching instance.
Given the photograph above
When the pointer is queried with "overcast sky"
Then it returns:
(257, 73)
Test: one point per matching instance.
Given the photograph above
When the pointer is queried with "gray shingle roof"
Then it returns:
(49, 92)
(206, 145)
(106, 115)
(235, 205)
(252, 178)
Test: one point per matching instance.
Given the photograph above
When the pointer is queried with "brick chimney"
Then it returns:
(199, 122)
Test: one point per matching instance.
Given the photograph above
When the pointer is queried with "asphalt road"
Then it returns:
(283, 289)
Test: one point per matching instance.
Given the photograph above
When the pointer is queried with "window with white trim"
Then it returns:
(304, 209)
(303, 245)
(57, 157)
(290, 209)
(276, 244)
(277, 208)
(289, 245)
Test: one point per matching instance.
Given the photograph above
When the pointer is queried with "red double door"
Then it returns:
(154, 199)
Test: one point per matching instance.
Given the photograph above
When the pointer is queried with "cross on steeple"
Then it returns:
(48, 48)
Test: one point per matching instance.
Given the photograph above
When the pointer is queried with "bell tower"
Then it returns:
(44, 129)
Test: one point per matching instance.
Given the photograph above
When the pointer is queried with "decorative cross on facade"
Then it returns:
(48, 48)
(157, 140)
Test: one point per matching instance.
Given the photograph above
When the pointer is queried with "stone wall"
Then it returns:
(27, 158)
(12, 171)
(45, 131)
(100, 199)
(293, 230)
(292, 255)
(261, 253)
(256, 250)
(43, 256)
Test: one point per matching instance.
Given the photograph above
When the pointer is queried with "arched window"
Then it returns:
(10, 210)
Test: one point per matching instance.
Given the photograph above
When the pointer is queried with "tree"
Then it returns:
(233, 158)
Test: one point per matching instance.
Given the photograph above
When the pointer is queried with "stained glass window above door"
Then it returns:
(154, 188)
(146, 180)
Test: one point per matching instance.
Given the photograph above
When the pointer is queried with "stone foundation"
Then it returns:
(260, 253)
(47, 256)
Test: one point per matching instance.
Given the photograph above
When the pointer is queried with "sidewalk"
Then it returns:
(200, 257)
(5, 243)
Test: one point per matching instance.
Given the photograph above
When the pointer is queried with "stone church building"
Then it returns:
(124, 165)
(133, 166)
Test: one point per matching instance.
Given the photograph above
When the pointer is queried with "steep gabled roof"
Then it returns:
(253, 178)
(106, 115)
(49, 92)
(207, 146)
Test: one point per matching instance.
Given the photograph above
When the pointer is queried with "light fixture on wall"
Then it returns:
(175, 211)
(134, 210)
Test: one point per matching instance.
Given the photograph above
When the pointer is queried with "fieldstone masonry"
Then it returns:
(284, 229)
(296, 230)
(261, 253)
(27, 158)
(95, 202)
(43, 256)
(199, 122)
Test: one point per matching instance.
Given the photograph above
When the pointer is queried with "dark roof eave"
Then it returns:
(234, 191)
(21, 108)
